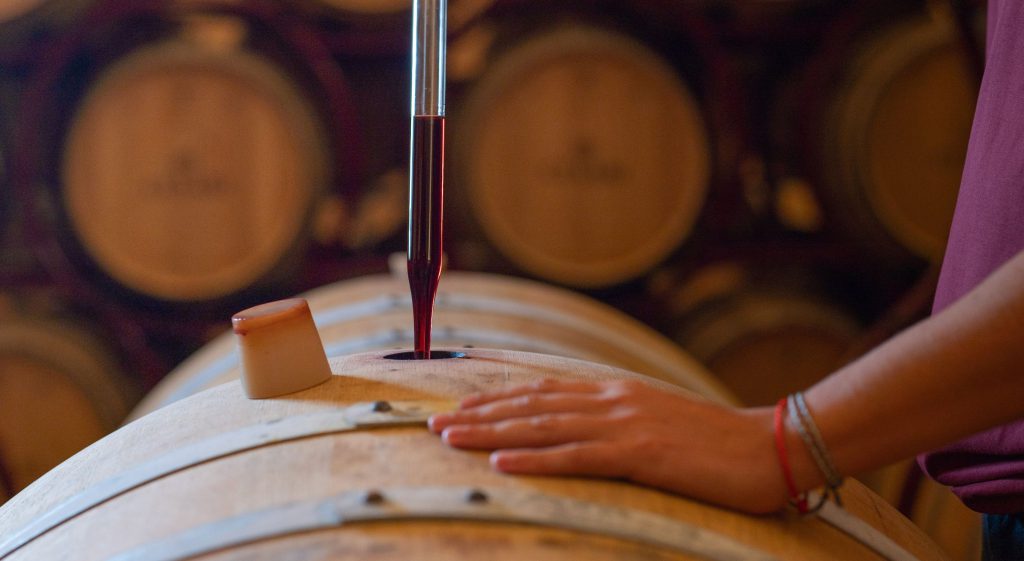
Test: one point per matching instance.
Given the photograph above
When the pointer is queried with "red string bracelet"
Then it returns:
(796, 497)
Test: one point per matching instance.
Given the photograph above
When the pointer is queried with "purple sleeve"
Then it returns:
(987, 470)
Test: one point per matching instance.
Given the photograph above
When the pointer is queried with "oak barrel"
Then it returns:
(192, 165)
(61, 389)
(895, 136)
(305, 477)
(471, 310)
(765, 345)
(582, 156)
(764, 332)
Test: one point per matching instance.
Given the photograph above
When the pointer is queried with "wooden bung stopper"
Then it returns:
(280, 349)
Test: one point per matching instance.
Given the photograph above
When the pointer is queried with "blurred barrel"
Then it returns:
(62, 387)
(218, 154)
(471, 310)
(762, 337)
(306, 477)
(581, 155)
(186, 148)
(894, 136)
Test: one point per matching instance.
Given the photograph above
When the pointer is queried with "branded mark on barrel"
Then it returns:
(185, 176)
(586, 167)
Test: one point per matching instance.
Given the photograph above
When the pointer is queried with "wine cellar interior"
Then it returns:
(768, 184)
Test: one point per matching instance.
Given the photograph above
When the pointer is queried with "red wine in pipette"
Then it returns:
(426, 222)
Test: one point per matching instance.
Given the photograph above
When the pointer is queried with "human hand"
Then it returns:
(624, 429)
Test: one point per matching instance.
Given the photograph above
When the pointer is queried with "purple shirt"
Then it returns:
(987, 470)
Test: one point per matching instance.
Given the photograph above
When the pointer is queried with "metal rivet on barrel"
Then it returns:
(381, 407)
(476, 496)
(373, 497)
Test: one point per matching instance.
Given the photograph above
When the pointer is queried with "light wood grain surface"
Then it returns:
(316, 467)
(477, 309)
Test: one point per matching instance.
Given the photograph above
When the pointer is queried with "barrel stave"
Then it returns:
(313, 468)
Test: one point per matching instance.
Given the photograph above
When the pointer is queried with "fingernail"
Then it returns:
(452, 435)
(501, 461)
(438, 422)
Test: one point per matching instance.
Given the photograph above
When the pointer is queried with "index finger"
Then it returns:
(547, 385)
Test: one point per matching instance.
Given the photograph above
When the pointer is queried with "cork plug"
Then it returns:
(280, 349)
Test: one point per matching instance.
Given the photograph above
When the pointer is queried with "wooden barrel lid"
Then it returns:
(189, 172)
(897, 136)
(60, 390)
(584, 157)
(288, 476)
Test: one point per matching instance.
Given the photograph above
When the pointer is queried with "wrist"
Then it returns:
(772, 489)
(795, 468)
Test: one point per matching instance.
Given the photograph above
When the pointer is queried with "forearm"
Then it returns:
(948, 377)
(945, 378)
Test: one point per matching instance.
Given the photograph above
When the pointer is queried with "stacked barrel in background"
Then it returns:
(768, 183)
